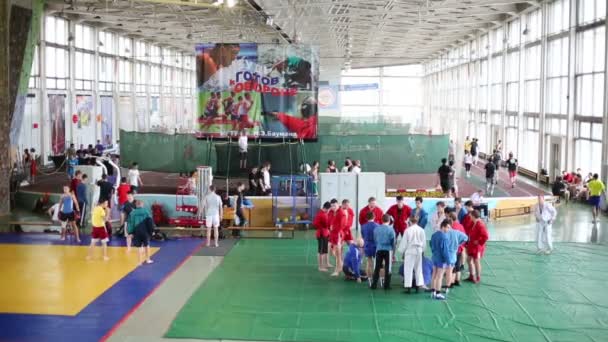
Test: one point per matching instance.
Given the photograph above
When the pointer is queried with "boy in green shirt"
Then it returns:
(596, 188)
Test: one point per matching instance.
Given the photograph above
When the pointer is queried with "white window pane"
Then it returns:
(363, 97)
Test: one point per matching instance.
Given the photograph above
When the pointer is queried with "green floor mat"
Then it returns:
(271, 290)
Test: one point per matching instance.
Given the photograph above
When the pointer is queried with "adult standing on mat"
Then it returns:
(212, 206)
(545, 215)
(68, 206)
(411, 247)
(384, 237)
(400, 213)
(141, 225)
(371, 207)
(419, 213)
(443, 176)
(82, 197)
(596, 189)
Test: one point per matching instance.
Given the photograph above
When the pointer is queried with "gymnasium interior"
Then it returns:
(254, 100)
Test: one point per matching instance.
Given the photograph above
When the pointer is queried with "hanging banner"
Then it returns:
(57, 115)
(84, 110)
(107, 105)
(126, 120)
(268, 91)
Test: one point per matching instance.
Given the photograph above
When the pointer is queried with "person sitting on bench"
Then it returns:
(478, 202)
(352, 262)
(560, 189)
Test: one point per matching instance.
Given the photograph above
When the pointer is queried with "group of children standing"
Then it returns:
(459, 230)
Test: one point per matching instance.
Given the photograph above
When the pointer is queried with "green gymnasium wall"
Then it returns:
(393, 151)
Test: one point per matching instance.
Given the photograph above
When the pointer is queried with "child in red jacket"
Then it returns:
(337, 221)
(347, 235)
(401, 213)
(321, 223)
(478, 236)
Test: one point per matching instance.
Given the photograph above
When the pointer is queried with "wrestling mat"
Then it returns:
(271, 290)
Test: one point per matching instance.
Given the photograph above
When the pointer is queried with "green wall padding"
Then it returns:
(392, 154)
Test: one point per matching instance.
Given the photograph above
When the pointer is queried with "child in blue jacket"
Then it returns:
(440, 246)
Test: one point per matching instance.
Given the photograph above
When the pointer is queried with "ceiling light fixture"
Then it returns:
(269, 21)
(230, 3)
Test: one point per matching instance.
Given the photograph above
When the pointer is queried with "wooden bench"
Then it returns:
(533, 175)
(512, 211)
(264, 229)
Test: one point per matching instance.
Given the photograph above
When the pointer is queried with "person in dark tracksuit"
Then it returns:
(141, 225)
(240, 188)
(384, 237)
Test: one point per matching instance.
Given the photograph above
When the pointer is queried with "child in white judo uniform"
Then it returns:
(411, 247)
(545, 214)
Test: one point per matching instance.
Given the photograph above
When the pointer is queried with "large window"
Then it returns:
(533, 29)
(591, 10)
(34, 81)
(512, 79)
(559, 16)
(125, 75)
(106, 73)
(84, 70)
(395, 93)
(57, 67)
(556, 98)
(590, 72)
(588, 146)
(514, 33)
(56, 31)
(532, 79)
(84, 37)
(496, 91)
(107, 42)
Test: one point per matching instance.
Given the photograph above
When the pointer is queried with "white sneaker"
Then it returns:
(439, 296)
(547, 252)
(149, 261)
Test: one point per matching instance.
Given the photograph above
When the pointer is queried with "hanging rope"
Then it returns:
(259, 151)
(228, 167)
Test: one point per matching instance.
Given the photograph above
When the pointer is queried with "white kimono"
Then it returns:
(545, 215)
(436, 221)
(411, 247)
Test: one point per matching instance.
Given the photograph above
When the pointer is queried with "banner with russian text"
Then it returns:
(265, 90)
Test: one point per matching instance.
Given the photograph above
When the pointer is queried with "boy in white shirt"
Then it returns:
(243, 150)
(545, 215)
(134, 178)
(411, 247)
(438, 216)
(212, 206)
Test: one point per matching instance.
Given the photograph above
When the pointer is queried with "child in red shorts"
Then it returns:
(321, 224)
(346, 232)
(478, 236)
(99, 234)
(336, 226)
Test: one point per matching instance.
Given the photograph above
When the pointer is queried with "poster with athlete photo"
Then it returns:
(57, 115)
(268, 91)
